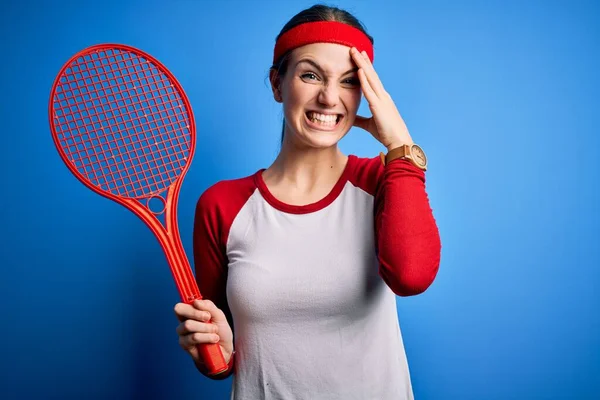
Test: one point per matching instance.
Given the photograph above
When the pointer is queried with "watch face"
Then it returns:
(418, 155)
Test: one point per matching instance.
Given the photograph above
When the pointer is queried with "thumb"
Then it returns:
(361, 122)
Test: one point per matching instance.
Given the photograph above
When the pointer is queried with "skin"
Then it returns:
(203, 322)
(310, 162)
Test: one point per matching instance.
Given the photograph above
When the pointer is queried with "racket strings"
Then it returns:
(121, 123)
(134, 138)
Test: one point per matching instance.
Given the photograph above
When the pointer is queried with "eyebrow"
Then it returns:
(317, 66)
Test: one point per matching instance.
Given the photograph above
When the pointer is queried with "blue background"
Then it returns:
(503, 96)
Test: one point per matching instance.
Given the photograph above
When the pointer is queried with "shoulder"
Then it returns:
(228, 188)
(365, 172)
(225, 198)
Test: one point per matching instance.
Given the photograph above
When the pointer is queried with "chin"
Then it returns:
(321, 143)
(319, 140)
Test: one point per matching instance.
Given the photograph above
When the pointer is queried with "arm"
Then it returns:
(407, 237)
(408, 242)
(211, 267)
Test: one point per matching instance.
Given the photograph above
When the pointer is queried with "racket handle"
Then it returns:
(213, 359)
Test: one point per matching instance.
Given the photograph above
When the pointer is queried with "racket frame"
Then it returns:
(168, 236)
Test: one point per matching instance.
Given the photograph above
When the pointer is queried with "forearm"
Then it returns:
(408, 239)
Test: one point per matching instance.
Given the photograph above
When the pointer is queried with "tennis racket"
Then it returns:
(124, 127)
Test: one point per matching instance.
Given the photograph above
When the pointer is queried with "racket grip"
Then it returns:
(213, 359)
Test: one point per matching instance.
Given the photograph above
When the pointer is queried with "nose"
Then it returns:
(329, 95)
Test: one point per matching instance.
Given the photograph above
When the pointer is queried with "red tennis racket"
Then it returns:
(124, 127)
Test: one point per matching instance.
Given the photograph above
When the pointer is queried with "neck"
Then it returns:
(305, 167)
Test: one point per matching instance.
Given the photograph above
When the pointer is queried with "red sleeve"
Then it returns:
(407, 237)
(210, 261)
(216, 210)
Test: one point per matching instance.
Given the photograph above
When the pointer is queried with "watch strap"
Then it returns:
(404, 152)
(398, 152)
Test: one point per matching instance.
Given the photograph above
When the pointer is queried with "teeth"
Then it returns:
(322, 118)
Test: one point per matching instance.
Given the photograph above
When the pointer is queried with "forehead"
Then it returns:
(331, 57)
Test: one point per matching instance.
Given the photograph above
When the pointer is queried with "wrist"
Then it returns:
(397, 143)
(228, 356)
(411, 152)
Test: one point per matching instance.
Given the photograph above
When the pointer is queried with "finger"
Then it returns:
(207, 305)
(372, 75)
(187, 311)
(364, 81)
(366, 87)
(191, 326)
(194, 339)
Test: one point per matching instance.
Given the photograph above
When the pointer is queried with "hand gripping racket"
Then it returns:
(124, 127)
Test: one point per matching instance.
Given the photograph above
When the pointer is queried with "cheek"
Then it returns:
(303, 92)
(352, 101)
(298, 96)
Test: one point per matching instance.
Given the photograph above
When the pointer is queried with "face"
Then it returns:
(320, 93)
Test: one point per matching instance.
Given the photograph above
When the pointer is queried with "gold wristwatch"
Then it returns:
(411, 152)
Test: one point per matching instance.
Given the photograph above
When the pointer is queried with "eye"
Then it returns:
(351, 81)
(309, 76)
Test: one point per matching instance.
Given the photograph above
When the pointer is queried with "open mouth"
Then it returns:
(324, 121)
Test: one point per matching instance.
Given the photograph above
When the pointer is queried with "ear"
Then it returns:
(276, 86)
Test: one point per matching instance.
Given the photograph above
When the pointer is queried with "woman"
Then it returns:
(305, 257)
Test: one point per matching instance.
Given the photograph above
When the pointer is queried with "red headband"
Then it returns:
(322, 32)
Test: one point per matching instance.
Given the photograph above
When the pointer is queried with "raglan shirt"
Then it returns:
(309, 291)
